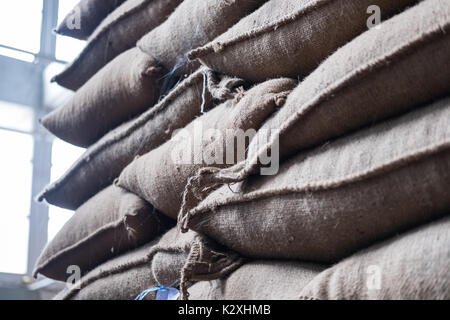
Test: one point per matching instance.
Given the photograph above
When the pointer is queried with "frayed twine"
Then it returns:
(207, 179)
(200, 186)
(205, 264)
(188, 270)
(202, 107)
(220, 89)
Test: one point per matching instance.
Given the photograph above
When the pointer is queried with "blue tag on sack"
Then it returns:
(167, 294)
(162, 293)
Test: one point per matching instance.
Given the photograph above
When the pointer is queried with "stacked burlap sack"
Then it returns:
(256, 149)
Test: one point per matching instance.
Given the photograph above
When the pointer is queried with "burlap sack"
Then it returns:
(117, 33)
(259, 280)
(290, 38)
(181, 260)
(382, 73)
(85, 17)
(191, 257)
(121, 278)
(194, 23)
(124, 88)
(112, 222)
(106, 159)
(412, 266)
(161, 175)
(328, 202)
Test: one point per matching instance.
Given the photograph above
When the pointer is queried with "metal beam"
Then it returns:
(49, 21)
(38, 234)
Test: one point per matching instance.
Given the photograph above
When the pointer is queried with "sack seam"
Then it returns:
(356, 75)
(386, 168)
(139, 123)
(243, 169)
(217, 47)
(122, 268)
(95, 40)
(110, 226)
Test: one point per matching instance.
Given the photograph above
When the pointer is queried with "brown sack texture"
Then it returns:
(290, 38)
(194, 23)
(106, 159)
(412, 266)
(117, 33)
(259, 280)
(182, 259)
(127, 276)
(91, 14)
(110, 223)
(333, 200)
(161, 175)
(124, 88)
(121, 278)
(382, 73)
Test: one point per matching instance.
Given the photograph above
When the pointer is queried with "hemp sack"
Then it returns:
(125, 277)
(85, 17)
(219, 137)
(411, 266)
(117, 33)
(382, 73)
(108, 224)
(259, 280)
(327, 203)
(110, 155)
(290, 38)
(124, 88)
(193, 23)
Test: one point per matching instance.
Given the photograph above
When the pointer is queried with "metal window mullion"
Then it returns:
(42, 152)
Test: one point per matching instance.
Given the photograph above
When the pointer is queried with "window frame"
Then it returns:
(32, 95)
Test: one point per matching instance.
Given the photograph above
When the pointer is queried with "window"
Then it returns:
(26, 150)
(63, 156)
(15, 188)
(16, 117)
(21, 21)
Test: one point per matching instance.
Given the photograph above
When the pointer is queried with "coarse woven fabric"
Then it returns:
(121, 278)
(194, 23)
(124, 277)
(259, 280)
(290, 38)
(327, 203)
(89, 14)
(117, 33)
(382, 73)
(106, 159)
(411, 266)
(124, 88)
(110, 223)
(161, 175)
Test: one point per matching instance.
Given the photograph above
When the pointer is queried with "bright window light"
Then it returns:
(67, 48)
(63, 156)
(19, 55)
(20, 22)
(16, 117)
(15, 188)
